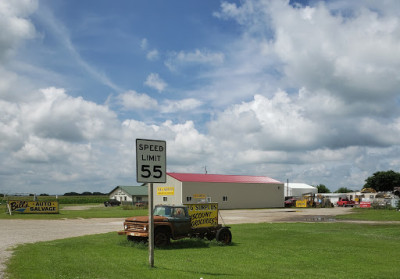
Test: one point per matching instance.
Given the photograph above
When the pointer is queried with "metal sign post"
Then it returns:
(151, 227)
(151, 161)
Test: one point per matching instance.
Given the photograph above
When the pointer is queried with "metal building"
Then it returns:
(229, 191)
(298, 189)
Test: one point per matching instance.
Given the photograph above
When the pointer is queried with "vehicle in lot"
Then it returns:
(290, 202)
(346, 202)
(112, 202)
(178, 221)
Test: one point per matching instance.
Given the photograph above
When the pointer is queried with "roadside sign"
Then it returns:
(151, 161)
(151, 165)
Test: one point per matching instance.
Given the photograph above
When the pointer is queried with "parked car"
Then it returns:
(112, 202)
(290, 202)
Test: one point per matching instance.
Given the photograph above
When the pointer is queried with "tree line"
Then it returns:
(380, 181)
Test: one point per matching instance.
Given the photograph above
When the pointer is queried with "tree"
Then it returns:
(71, 194)
(383, 181)
(343, 190)
(323, 189)
(86, 194)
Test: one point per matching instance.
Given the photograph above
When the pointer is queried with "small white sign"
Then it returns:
(151, 161)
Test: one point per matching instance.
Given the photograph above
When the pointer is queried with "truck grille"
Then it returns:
(134, 227)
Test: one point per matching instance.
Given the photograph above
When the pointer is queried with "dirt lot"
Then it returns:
(14, 232)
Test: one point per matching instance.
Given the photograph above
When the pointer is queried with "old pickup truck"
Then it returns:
(346, 202)
(178, 221)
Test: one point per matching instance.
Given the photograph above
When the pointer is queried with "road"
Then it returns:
(15, 232)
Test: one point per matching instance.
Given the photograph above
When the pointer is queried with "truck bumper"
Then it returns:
(139, 234)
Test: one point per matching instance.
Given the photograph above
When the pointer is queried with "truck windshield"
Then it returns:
(162, 211)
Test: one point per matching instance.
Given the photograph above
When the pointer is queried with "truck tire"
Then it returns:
(224, 236)
(162, 238)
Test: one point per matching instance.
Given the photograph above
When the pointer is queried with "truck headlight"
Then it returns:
(125, 227)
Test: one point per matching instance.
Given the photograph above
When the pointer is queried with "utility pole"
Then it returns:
(287, 188)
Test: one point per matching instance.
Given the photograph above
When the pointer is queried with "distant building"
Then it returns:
(229, 191)
(298, 189)
(130, 194)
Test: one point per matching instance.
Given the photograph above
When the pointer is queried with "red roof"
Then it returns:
(219, 178)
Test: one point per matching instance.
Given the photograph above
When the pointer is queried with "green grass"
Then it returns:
(311, 250)
(94, 212)
(369, 214)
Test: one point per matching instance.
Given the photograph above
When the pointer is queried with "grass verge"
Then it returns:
(370, 214)
(312, 250)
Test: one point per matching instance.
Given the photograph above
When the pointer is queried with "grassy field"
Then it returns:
(369, 214)
(312, 250)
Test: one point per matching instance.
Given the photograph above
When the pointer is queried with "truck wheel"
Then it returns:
(224, 236)
(162, 238)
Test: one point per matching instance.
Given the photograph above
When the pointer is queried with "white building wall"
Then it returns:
(176, 198)
(227, 195)
(120, 195)
(237, 195)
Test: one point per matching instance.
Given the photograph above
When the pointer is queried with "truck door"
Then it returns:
(181, 221)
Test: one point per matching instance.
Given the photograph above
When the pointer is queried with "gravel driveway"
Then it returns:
(14, 232)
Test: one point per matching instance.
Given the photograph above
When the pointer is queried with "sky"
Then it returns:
(302, 90)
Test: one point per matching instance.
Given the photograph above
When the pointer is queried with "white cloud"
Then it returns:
(180, 59)
(59, 116)
(154, 81)
(144, 44)
(268, 124)
(170, 106)
(14, 25)
(131, 100)
(152, 55)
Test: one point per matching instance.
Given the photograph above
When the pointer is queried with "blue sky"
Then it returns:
(301, 90)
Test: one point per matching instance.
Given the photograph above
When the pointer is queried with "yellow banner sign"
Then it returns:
(165, 191)
(34, 206)
(199, 196)
(203, 214)
(301, 203)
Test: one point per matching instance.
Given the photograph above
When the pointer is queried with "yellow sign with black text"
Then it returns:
(203, 214)
(165, 191)
(34, 206)
(301, 203)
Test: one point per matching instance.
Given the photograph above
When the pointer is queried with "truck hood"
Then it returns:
(145, 219)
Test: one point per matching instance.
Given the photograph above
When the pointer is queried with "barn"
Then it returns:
(229, 191)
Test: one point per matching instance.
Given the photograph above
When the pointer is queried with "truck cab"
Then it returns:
(178, 217)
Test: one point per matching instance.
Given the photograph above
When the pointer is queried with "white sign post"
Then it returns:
(151, 164)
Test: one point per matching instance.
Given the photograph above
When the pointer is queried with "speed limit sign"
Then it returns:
(151, 161)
